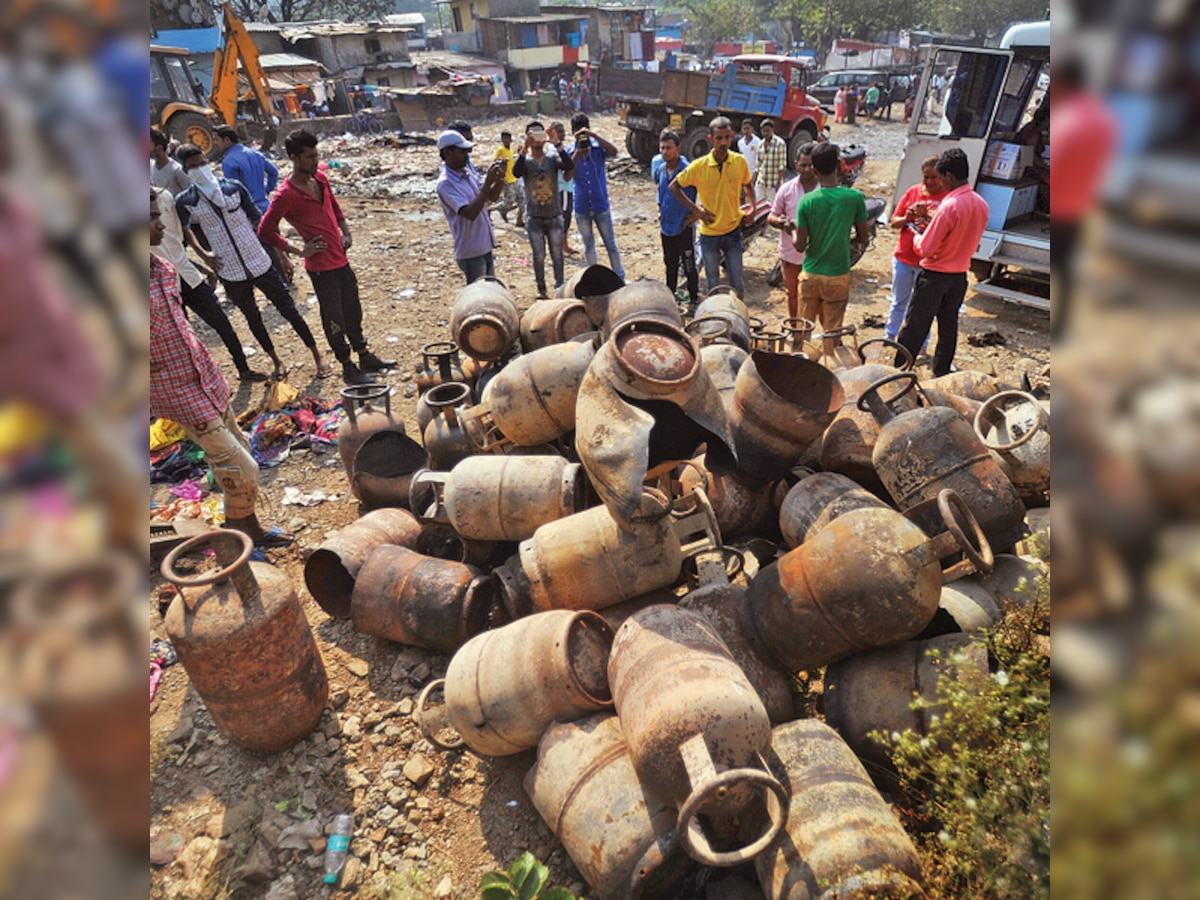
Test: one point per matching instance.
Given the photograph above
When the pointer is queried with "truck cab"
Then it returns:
(991, 110)
(178, 104)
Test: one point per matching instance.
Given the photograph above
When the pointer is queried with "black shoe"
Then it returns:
(352, 374)
(369, 362)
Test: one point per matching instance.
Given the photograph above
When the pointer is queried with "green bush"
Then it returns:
(525, 879)
(976, 789)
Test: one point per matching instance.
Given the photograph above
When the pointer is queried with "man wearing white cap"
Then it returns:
(464, 199)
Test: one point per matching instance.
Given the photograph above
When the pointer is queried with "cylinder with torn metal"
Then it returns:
(484, 320)
(362, 421)
(330, 572)
(591, 284)
(383, 469)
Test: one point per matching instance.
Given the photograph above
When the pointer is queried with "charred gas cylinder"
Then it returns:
(505, 687)
(965, 606)
(532, 400)
(642, 301)
(622, 840)
(816, 500)
(592, 285)
(924, 451)
(484, 320)
(77, 650)
(505, 498)
(718, 599)
(723, 305)
(1015, 580)
(645, 400)
(678, 739)
(587, 561)
(242, 637)
(1015, 427)
(874, 691)
(834, 352)
(418, 600)
(439, 364)
(868, 579)
(849, 441)
(886, 353)
(363, 422)
(553, 322)
(330, 572)
(740, 508)
(799, 331)
(842, 838)
(446, 438)
(722, 358)
(383, 469)
(781, 405)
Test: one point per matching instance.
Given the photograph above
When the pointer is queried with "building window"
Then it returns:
(383, 82)
(373, 45)
(458, 26)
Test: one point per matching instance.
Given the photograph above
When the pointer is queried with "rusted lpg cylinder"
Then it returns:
(507, 498)
(621, 839)
(965, 606)
(591, 284)
(723, 360)
(426, 413)
(799, 331)
(885, 352)
(384, 466)
(77, 647)
(484, 320)
(701, 749)
(242, 637)
(1015, 579)
(446, 438)
(718, 599)
(1015, 427)
(740, 508)
(553, 322)
(504, 688)
(330, 572)
(849, 441)
(724, 306)
(842, 839)
(532, 400)
(874, 691)
(924, 451)
(643, 301)
(781, 405)
(868, 579)
(439, 364)
(363, 421)
(834, 352)
(815, 501)
(769, 340)
(417, 600)
(588, 561)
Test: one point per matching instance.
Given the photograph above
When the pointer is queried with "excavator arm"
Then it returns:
(236, 46)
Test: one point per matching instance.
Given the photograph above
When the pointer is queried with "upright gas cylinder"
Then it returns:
(363, 420)
(588, 561)
(242, 637)
(924, 451)
(330, 572)
(446, 437)
(868, 579)
(439, 364)
(504, 687)
(721, 357)
(842, 839)
(484, 320)
(678, 739)
(622, 839)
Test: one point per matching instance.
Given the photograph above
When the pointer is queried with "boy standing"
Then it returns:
(514, 194)
(676, 224)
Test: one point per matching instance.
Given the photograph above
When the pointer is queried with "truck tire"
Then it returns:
(804, 133)
(696, 143)
(642, 145)
(191, 128)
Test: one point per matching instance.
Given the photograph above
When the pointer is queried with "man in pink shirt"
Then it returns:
(945, 248)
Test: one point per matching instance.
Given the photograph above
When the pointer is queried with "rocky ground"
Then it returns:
(427, 824)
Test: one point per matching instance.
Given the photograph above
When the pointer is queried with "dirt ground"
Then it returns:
(230, 823)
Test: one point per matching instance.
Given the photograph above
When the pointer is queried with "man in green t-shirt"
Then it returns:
(823, 222)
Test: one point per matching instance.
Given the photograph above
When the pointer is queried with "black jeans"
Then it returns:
(241, 295)
(682, 248)
(341, 310)
(1064, 237)
(202, 300)
(936, 295)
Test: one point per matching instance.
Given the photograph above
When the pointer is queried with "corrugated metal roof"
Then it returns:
(405, 19)
(332, 29)
(287, 61)
(531, 20)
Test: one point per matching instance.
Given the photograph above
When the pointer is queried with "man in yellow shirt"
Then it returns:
(513, 195)
(718, 178)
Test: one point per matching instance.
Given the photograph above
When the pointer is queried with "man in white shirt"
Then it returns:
(748, 145)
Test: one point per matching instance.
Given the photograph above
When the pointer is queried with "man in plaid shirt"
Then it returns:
(187, 387)
(772, 161)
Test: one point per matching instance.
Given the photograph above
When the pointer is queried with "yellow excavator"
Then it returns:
(177, 100)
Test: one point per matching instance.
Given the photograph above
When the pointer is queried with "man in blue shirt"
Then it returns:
(591, 192)
(676, 224)
(250, 167)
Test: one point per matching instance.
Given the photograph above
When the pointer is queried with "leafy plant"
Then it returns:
(295, 805)
(977, 786)
(525, 878)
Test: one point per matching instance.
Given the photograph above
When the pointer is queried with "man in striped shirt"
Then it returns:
(772, 161)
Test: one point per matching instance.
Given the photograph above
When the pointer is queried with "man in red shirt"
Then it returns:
(945, 249)
(915, 208)
(187, 387)
(306, 201)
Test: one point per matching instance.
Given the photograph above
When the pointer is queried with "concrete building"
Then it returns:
(352, 51)
(615, 33)
(417, 38)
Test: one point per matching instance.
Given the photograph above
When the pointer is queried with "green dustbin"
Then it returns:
(531, 103)
(547, 102)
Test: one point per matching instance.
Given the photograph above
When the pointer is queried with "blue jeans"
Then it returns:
(542, 232)
(477, 267)
(904, 277)
(603, 223)
(711, 246)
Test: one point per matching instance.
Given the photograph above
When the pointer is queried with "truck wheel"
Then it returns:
(696, 143)
(191, 128)
(641, 145)
(804, 133)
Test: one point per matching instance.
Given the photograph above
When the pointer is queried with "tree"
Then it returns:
(983, 18)
(307, 10)
(718, 20)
